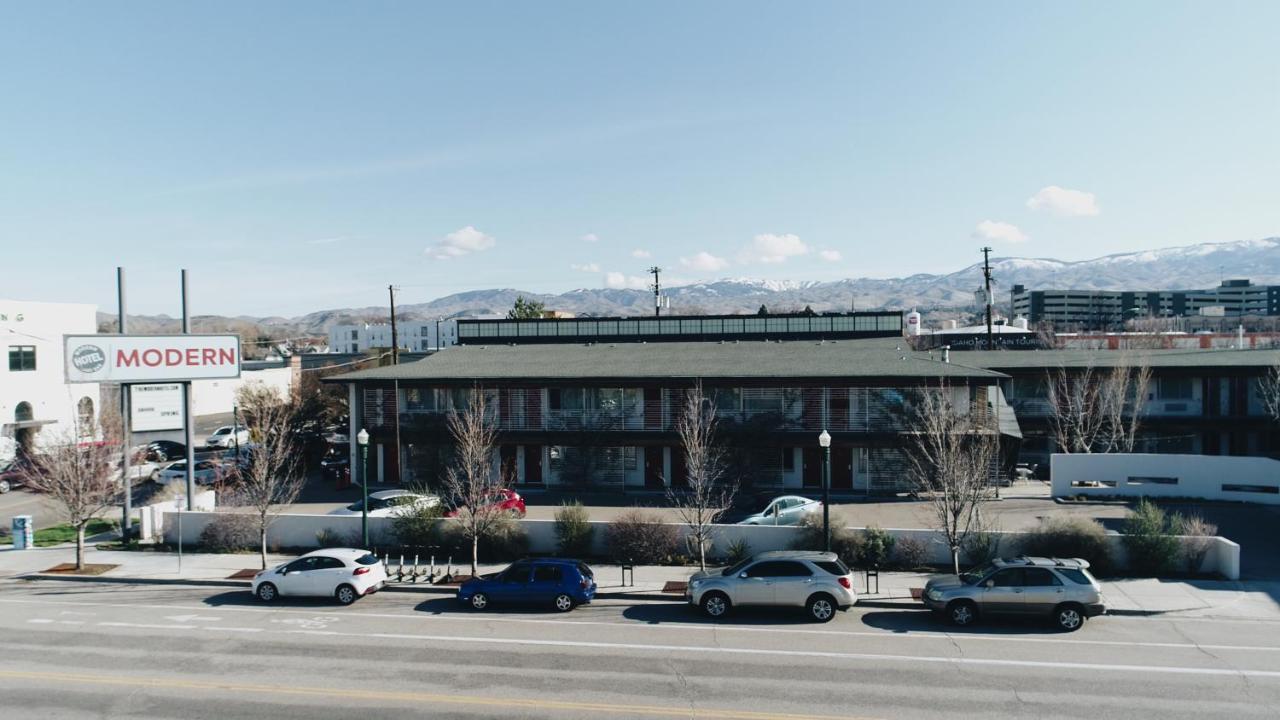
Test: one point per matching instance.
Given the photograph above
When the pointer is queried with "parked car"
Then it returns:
(387, 503)
(207, 472)
(227, 436)
(784, 510)
(159, 451)
(816, 581)
(344, 574)
(1061, 589)
(555, 582)
(16, 472)
(506, 500)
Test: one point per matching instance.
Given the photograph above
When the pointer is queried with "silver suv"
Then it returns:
(1061, 589)
(815, 581)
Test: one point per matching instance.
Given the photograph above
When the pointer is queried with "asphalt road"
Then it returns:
(81, 650)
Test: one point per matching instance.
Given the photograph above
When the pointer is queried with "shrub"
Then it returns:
(415, 525)
(328, 538)
(877, 548)
(845, 543)
(1069, 537)
(640, 538)
(982, 546)
(1197, 538)
(910, 553)
(573, 530)
(1153, 550)
(506, 541)
(229, 533)
(738, 550)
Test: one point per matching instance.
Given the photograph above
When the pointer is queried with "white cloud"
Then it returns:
(586, 267)
(999, 232)
(1064, 202)
(590, 237)
(829, 255)
(619, 281)
(461, 242)
(705, 262)
(770, 248)
(641, 254)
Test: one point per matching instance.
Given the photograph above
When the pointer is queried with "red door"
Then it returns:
(653, 467)
(533, 464)
(841, 468)
(811, 473)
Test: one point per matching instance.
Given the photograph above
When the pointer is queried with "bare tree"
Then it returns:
(473, 480)
(949, 462)
(269, 475)
(708, 495)
(1269, 391)
(79, 476)
(1093, 410)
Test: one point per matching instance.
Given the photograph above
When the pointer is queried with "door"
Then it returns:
(757, 587)
(1042, 590)
(1005, 593)
(327, 574)
(841, 468)
(533, 464)
(678, 476)
(653, 467)
(792, 583)
(791, 510)
(297, 577)
(507, 457)
(513, 585)
(811, 473)
(546, 584)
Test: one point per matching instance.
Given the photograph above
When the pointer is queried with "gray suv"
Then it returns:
(1061, 589)
(815, 581)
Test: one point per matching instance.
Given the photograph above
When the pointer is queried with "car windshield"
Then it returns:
(973, 576)
(367, 559)
(735, 568)
(586, 571)
(222, 431)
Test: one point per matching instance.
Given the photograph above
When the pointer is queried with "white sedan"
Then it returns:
(388, 503)
(784, 510)
(207, 472)
(344, 574)
(227, 436)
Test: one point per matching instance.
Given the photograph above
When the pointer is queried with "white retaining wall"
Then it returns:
(300, 531)
(1211, 477)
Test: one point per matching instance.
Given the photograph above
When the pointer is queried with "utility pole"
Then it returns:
(187, 405)
(395, 339)
(657, 291)
(986, 274)
(126, 437)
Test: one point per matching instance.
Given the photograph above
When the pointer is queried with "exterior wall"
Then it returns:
(51, 399)
(411, 335)
(210, 397)
(1241, 479)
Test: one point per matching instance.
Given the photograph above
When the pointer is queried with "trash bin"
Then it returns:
(23, 532)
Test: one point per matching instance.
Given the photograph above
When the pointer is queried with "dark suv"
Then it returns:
(559, 583)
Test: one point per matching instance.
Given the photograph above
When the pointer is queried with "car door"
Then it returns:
(793, 511)
(792, 582)
(1042, 590)
(755, 584)
(770, 514)
(1002, 592)
(513, 584)
(297, 576)
(329, 572)
(546, 584)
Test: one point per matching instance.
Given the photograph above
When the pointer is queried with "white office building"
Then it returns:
(412, 336)
(37, 406)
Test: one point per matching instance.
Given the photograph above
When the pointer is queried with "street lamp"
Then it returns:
(825, 441)
(362, 438)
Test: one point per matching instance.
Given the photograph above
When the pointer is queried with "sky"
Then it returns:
(299, 156)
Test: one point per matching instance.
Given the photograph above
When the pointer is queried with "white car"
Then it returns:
(227, 436)
(386, 503)
(344, 574)
(207, 472)
(785, 510)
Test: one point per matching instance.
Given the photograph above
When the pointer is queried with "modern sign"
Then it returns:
(155, 407)
(150, 358)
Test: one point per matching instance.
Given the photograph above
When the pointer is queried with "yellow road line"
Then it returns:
(400, 696)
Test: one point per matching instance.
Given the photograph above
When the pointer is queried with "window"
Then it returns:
(1008, 578)
(778, 568)
(548, 573)
(420, 400)
(22, 358)
(1175, 388)
(835, 567)
(518, 573)
(328, 563)
(1075, 575)
(788, 460)
(1039, 577)
(355, 334)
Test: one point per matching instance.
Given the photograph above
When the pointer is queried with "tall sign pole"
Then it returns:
(657, 291)
(986, 274)
(395, 339)
(126, 436)
(187, 427)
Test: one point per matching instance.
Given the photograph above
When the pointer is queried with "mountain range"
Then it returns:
(1178, 268)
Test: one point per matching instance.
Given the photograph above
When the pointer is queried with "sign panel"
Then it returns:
(155, 407)
(150, 358)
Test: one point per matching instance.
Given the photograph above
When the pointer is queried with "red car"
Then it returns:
(506, 499)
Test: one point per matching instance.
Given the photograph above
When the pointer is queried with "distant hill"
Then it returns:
(1180, 268)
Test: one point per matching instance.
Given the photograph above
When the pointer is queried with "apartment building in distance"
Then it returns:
(411, 336)
(1107, 309)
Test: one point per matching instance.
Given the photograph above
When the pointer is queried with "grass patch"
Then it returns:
(59, 534)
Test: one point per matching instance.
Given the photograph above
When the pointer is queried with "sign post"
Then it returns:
(177, 505)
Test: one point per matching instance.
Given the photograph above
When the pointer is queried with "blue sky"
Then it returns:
(301, 156)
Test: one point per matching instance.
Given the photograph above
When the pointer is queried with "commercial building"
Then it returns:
(34, 394)
(411, 335)
(1104, 309)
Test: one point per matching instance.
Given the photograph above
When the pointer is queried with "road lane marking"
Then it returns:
(412, 697)
(191, 618)
(321, 619)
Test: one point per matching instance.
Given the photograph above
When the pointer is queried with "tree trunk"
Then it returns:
(262, 544)
(702, 553)
(80, 546)
(955, 560)
(475, 552)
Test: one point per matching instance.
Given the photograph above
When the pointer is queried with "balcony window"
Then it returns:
(727, 400)
(762, 400)
(1175, 388)
(420, 400)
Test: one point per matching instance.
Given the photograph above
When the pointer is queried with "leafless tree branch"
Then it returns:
(473, 480)
(270, 476)
(708, 495)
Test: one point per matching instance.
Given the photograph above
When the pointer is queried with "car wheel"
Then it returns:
(155, 476)
(5, 487)
(267, 592)
(821, 608)
(479, 601)
(962, 613)
(1069, 617)
(715, 604)
(563, 603)
(345, 594)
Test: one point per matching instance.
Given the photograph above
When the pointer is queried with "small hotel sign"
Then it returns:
(150, 358)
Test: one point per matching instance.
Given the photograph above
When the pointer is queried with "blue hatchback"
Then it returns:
(554, 582)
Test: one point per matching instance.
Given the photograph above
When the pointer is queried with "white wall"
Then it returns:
(1195, 476)
(211, 397)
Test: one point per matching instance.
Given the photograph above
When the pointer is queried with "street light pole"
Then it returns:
(363, 440)
(824, 440)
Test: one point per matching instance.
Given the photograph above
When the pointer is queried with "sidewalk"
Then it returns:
(1169, 598)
